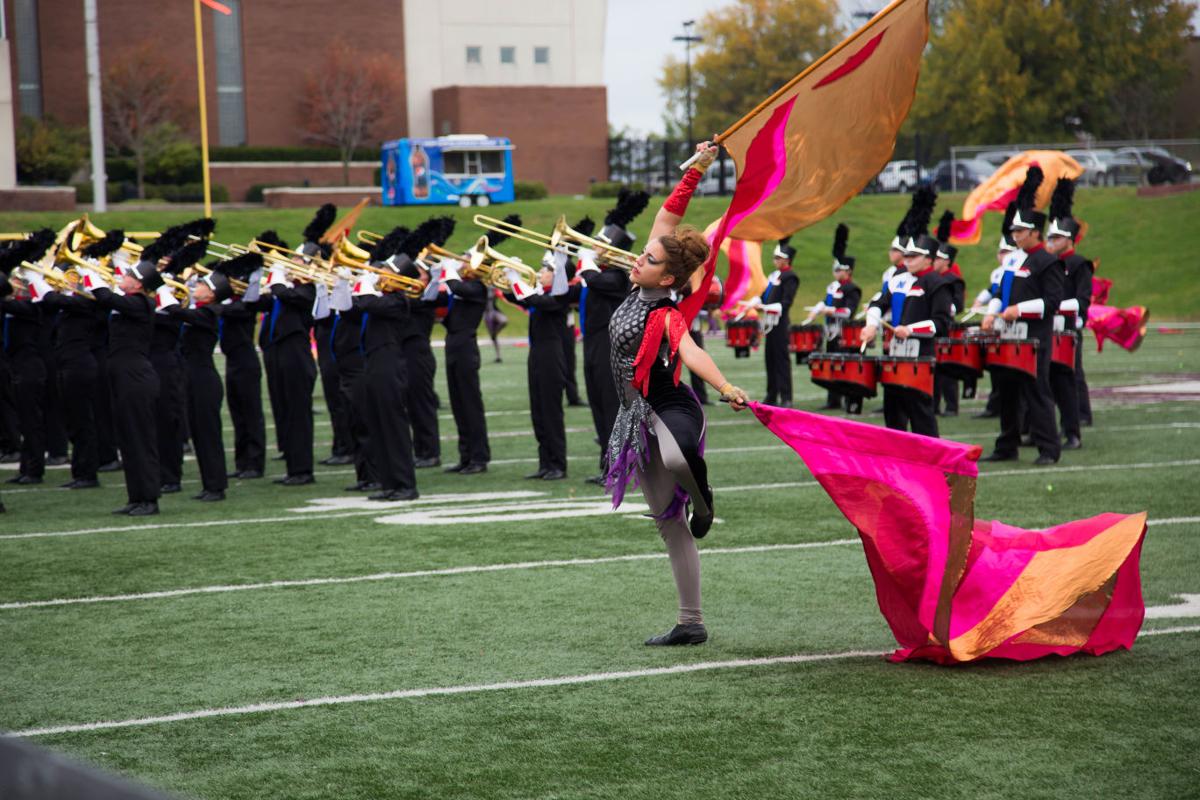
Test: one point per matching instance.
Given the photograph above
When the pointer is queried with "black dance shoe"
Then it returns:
(111, 466)
(337, 460)
(700, 525)
(537, 476)
(209, 497)
(297, 480)
(125, 509)
(473, 469)
(694, 633)
(395, 495)
(459, 467)
(997, 456)
(144, 509)
(1072, 443)
(364, 486)
(597, 480)
(82, 484)
(554, 475)
(248, 474)
(426, 463)
(170, 488)
(1045, 461)
(24, 480)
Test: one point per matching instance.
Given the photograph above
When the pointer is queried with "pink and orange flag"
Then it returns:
(956, 589)
(1001, 188)
(814, 144)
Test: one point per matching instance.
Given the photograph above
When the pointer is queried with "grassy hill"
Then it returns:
(1145, 245)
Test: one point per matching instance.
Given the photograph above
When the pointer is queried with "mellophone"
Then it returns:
(858, 375)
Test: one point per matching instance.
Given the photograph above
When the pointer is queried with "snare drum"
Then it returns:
(852, 334)
(1062, 355)
(908, 373)
(850, 374)
(1018, 355)
(804, 339)
(960, 330)
(959, 358)
(741, 335)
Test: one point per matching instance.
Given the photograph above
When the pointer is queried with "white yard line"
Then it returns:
(478, 688)
(424, 573)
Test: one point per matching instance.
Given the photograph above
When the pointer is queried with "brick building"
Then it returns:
(530, 70)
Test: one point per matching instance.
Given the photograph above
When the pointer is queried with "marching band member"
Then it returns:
(22, 338)
(659, 432)
(945, 387)
(918, 305)
(10, 430)
(547, 303)
(1004, 248)
(467, 300)
(5, 291)
(327, 368)
(383, 328)
(776, 305)
(842, 297)
(1031, 289)
(1072, 316)
(132, 379)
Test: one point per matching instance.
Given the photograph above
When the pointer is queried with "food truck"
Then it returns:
(463, 169)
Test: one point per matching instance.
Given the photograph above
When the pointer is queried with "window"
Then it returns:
(474, 54)
(29, 59)
(472, 162)
(508, 55)
(541, 55)
(231, 95)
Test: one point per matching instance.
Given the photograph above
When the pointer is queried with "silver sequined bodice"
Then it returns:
(626, 329)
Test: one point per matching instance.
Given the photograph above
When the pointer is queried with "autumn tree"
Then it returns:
(348, 98)
(749, 49)
(142, 107)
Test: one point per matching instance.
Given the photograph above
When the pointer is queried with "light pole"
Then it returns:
(688, 39)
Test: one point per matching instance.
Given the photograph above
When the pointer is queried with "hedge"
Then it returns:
(289, 154)
(612, 188)
(120, 191)
(529, 190)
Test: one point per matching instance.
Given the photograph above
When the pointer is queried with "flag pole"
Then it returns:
(203, 109)
(782, 90)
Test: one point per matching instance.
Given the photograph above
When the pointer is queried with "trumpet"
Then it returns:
(60, 281)
(490, 265)
(563, 239)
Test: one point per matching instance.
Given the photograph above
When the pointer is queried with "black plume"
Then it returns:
(187, 255)
(1027, 197)
(8, 252)
(1063, 199)
(494, 238)
(1009, 212)
(239, 267)
(111, 241)
(29, 249)
(202, 227)
(320, 222)
(445, 230)
(924, 201)
(387, 247)
(630, 204)
(943, 229)
(271, 237)
(421, 238)
(841, 237)
(586, 226)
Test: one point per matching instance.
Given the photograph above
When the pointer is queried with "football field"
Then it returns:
(486, 640)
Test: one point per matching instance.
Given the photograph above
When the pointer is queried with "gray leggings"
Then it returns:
(658, 482)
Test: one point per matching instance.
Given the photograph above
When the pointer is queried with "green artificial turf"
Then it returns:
(850, 726)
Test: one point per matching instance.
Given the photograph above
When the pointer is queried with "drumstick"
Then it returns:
(887, 325)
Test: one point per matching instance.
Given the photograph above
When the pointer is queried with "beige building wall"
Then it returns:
(8, 153)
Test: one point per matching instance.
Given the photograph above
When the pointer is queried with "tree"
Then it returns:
(142, 107)
(48, 151)
(348, 97)
(750, 49)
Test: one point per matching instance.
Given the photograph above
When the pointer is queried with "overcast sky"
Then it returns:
(639, 37)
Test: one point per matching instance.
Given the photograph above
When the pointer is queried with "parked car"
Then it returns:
(996, 157)
(1106, 168)
(898, 176)
(966, 174)
(1159, 165)
(711, 182)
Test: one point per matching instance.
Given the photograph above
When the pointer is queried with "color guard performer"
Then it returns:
(1030, 292)
(1072, 311)
(659, 432)
(842, 297)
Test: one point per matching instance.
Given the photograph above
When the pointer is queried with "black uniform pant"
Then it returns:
(106, 439)
(698, 384)
(572, 385)
(546, 370)
(907, 409)
(1081, 387)
(466, 400)
(1015, 389)
(779, 366)
(1066, 397)
(421, 367)
(79, 386)
(601, 389)
(296, 375)
(339, 415)
(205, 395)
(10, 423)
(29, 388)
(945, 392)
(169, 411)
(387, 419)
(56, 426)
(243, 389)
(271, 367)
(352, 388)
(135, 389)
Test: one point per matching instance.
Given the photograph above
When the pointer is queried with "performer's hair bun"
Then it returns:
(686, 250)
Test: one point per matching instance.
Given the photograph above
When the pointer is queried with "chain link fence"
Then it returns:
(654, 165)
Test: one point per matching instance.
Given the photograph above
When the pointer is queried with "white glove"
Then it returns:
(38, 288)
(770, 318)
(522, 290)
(587, 261)
(164, 297)
(278, 277)
(91, 279)
(366, 284)
(253, 287)
(450, 271)
(344, 273)
(1060, 323)
(339, 297)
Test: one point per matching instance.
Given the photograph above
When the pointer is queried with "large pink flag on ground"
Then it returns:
(956, 589)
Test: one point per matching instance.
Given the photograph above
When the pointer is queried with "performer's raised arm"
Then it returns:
(675, 206)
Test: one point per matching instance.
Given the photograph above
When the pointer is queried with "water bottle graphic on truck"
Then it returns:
(463, 169)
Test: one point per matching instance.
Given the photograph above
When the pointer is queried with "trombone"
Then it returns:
(59, 281)
(563, 239)
(347, 254)
(491, 265)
